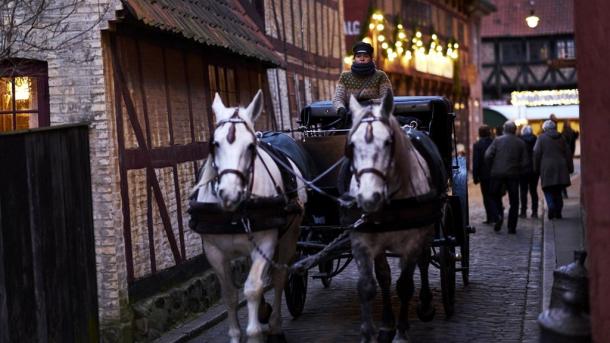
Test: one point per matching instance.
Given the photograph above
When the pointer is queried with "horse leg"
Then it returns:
(253, 288)
(425, 310)
(384, 278)
(285, 252)
(366, 289)
(222, 268)
(405, 290)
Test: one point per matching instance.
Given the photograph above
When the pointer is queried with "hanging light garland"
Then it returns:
(431, 58)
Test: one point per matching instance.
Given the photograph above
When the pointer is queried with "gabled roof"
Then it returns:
(556, 17)
(220, 23)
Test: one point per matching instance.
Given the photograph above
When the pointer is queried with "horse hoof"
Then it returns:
(386, 336)
(427, 314)
(277, 338)
(264, 312)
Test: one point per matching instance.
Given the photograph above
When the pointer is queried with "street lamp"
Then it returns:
(532, 20)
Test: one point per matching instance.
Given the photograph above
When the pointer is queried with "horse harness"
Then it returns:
(369, 119)
(258, 213)
(246, 179)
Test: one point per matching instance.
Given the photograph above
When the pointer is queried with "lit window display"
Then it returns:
(18, 103)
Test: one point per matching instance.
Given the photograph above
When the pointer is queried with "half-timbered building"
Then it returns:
(530, 72)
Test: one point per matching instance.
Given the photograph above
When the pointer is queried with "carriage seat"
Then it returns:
(293, 150)
(426, 147)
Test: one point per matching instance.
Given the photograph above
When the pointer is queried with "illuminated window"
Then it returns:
(565, 49)
(23, 95)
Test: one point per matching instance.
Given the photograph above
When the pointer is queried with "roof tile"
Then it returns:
(220, 23)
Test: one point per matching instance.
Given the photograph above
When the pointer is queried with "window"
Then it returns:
(538, 51)
(512, 52)
(565, 49)
(24, 101)
(418, 12)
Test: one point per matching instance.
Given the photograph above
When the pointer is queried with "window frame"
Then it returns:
(34, 69)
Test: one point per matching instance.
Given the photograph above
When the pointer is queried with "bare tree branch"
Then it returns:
(34, 27)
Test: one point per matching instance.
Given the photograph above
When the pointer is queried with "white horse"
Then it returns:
(386, 167)
(238, 170)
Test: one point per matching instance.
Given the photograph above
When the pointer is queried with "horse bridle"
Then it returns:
(233, 121)
(368, 119)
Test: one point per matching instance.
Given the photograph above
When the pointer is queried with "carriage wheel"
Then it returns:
(447, 264)
(326, 267)
(295, 292)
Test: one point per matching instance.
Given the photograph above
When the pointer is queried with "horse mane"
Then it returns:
(411, 171)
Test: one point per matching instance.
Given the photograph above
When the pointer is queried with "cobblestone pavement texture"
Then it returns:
(500, 304)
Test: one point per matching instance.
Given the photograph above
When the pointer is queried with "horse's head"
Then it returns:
(370, 147)
(233, 149)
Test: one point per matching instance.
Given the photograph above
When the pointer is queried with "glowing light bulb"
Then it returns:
(419, 43)
(455, 46)
(371, 26)
(384, 45)
(400, 50)
(367, 40)
(532, 21)
(400, 26)
(434, 36)
(381, 38)
(418, 34)
(380, 27)
(401, 35)
(399, 43)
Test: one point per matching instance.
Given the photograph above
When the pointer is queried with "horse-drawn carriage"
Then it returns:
(392, 185)
(321, 245)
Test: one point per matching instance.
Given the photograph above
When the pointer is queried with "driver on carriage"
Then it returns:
(365, 82)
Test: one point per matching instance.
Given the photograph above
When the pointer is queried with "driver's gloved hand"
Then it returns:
(342, 113)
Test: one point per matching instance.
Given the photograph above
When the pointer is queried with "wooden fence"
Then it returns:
(47, 255)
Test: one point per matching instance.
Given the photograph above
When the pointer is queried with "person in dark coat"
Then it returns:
(570, 136)
(507, 157)
(529, 179)
(553, 161)
(481, 171)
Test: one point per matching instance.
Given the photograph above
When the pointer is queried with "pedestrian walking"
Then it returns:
(528, 182)
(553, 161)
(570, 136)
(507, 157)
(481, 171)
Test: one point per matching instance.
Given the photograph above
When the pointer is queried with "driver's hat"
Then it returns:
(362, 48)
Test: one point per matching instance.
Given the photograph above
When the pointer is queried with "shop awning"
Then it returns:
(221, 23)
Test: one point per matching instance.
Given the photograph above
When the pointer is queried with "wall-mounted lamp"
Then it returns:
(532, 20)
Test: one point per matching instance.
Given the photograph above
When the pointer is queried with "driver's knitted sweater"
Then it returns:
(373, 87)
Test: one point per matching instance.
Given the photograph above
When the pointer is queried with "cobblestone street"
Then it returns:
(500, 304)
